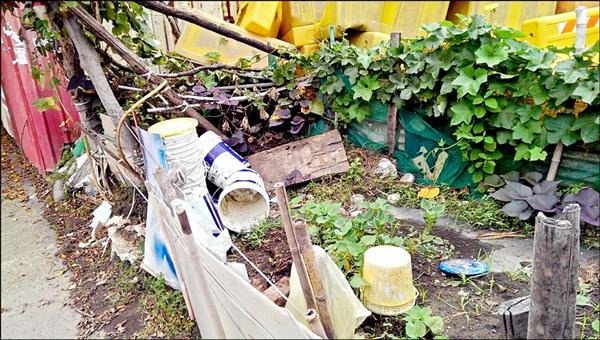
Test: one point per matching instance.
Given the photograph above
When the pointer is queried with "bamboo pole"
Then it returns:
(580, 30)
(284, 211)
(139, 67)
(312, 317)
(392, 115)
(211, 26)
(306, 250)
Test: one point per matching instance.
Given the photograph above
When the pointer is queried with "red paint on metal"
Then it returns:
(41, 135)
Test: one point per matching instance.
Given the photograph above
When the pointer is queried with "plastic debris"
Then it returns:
(385, 169)
(467, 267)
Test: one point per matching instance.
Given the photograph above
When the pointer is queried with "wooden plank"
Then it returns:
(302, 160)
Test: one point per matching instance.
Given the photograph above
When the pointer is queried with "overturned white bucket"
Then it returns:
(243, 201)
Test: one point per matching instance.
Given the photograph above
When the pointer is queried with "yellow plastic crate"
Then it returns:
(569, 6)
(407, 17)
(356, 15)
(367, 39)
(299, 13)
(302, 35)
(504, 13)
(309, 49)
(260, 17)
(559, 30)
(195, 42)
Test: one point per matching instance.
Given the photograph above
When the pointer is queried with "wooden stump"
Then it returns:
(555, 263)
(514, 315)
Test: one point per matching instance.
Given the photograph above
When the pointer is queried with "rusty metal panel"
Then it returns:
(41, 135)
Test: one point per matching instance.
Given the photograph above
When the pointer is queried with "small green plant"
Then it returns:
(166, 308)
(254, 237)
(521, 274)
(355, 171)
(420, 322)
(431, 212)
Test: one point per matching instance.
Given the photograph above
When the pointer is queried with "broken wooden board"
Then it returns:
(302, 160)
(514, 315)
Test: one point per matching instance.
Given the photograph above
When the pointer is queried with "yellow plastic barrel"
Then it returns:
(301, 35)
(309, 49)
(388, 271)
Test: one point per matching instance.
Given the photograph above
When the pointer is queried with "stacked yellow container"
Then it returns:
(504, 13)
(260, 17)
(196, 42)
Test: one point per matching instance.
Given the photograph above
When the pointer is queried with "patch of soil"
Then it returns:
(272, 257)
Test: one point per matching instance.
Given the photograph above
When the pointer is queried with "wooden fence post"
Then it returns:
(554, 280)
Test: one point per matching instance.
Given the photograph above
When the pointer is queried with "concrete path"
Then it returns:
(34, 282)
(506, 255)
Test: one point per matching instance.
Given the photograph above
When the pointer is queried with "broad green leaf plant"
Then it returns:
(502, 96)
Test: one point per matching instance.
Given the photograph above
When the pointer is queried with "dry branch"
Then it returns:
(139, 67)
(211, 26)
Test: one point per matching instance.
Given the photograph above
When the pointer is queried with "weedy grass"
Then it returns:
(165, 310)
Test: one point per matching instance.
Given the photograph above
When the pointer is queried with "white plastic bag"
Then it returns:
(347, 312)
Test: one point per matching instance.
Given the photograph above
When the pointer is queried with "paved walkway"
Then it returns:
(34, 288)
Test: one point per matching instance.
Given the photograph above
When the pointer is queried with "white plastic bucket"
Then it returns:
(184, 149)
(221, 161)
(180, 144)
(243, 202)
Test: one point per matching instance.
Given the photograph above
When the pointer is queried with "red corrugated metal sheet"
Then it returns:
(41, 135)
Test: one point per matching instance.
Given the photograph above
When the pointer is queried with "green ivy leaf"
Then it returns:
(559, 129)
(363, 57)
(571, 71)
(352, 73)
(587, 91)
(521, 152)
(491, 55)
(332, 85)
(357, 282)
(316, 106)
(358, 112)
(469, 80)
(463, 113)
(507, 33)
(588, 124)
(537, 154)
(365, 87)
(523, 133)
(538, 93)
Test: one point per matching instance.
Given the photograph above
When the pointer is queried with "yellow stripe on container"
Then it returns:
(503, 13)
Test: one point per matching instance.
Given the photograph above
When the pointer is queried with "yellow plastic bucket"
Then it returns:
(388, 271)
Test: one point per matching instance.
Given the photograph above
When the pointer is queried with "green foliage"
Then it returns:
(255, 236)
(431, 212)
(166, 308)
(347, 239)
(420, 322)
(45, 104)
(502, 96)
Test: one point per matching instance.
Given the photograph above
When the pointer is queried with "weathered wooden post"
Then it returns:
(554, 280)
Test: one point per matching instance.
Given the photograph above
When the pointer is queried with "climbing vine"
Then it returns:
(501, 95)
